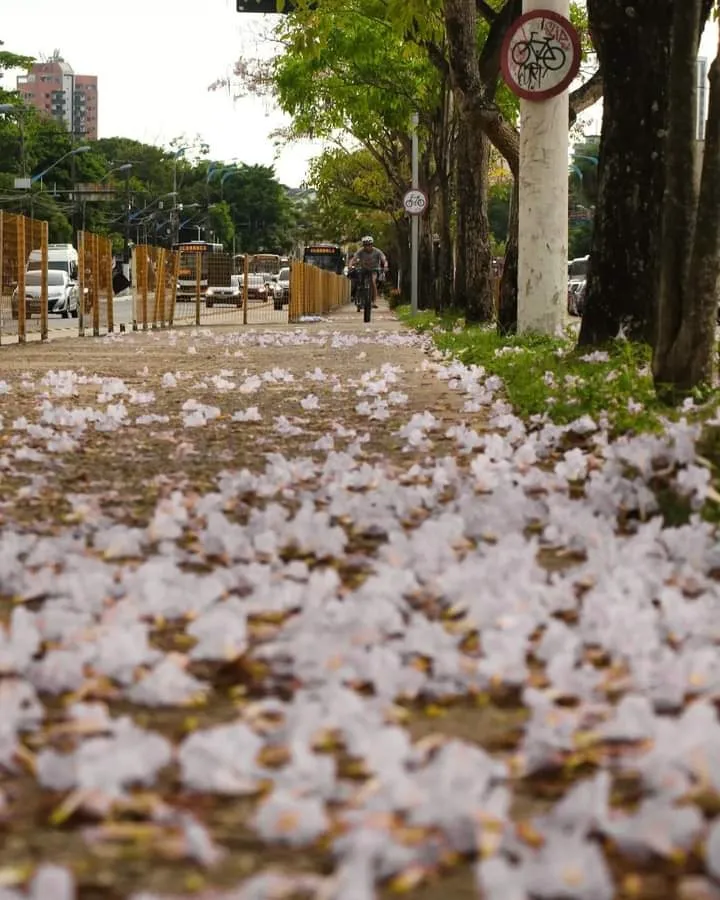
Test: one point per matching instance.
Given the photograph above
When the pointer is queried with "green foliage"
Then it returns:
(263, 215)
(499, 210)
(354, 195)
(579, 239)
(221, 223)
(550, 375)
(8, 61)
(257, 206)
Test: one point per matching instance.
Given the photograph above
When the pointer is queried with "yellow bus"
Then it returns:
(187, 272)
(265, 264)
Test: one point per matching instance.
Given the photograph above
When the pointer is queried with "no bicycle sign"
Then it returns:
(540, 55)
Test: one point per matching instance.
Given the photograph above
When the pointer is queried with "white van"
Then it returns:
(61, 258)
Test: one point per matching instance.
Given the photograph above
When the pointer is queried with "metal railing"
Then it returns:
(315, 292)
(23, 295)
(167, 287)
(154, 276)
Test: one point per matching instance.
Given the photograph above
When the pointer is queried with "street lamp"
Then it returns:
(145, 210)
(181, 207)
(71, 153)
(179, 152)
(125, 167)
(227, 174)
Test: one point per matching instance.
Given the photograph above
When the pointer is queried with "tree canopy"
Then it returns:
(249, 210)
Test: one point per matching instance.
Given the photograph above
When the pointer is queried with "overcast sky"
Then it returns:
(155, 60)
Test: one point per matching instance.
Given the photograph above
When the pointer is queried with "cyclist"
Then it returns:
(370, 257)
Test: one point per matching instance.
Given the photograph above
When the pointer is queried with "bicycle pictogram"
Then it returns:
(535, 58)
(540, 55)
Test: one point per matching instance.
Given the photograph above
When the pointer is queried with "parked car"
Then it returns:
(576, 297)
(577, 278)
(231, 293)
(63, 294)
(280, 288)
(61, 257)
(257, 286)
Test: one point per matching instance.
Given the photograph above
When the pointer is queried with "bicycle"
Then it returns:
(363, 297)
(551, 57)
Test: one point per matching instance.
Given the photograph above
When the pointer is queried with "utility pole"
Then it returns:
(415, 220)
(73, 179)
(175, 218)
(126, 236)
(544, 145)
(175, 233)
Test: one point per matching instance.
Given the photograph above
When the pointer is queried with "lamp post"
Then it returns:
(71, 154)
(227, 174)
(144, 215)
(180, 208)
(124, 167)
(175, 220)
(415, 223)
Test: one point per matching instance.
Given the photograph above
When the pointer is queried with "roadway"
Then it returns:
(258, 314)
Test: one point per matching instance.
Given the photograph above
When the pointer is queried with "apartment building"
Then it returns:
(52, 87)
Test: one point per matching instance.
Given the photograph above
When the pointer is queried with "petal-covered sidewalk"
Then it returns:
(309, 612)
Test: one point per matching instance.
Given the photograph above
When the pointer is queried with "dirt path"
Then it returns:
(303, 603)
(109, 478)
(131, 467)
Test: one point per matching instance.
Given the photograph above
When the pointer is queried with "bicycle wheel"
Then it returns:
(553, 58)
(367, 302)
(521, 53)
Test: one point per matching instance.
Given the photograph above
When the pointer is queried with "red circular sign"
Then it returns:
(540, 55)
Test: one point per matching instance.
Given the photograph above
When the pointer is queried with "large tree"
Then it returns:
(634, 55)
(686, 347)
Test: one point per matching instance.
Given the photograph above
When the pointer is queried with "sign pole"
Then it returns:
(414, 221)
(543, 204)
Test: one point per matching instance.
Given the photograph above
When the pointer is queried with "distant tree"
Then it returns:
(220, 223)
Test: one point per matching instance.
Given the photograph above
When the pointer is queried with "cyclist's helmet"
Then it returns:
(368, 241)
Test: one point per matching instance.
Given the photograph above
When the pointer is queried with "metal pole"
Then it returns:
(2, 256)
(414, 221)
(126, 236)
(44, 281)
(175, 233)
(23, 158)
(81, 284)
(73, 178)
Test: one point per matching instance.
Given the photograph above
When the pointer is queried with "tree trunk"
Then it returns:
(444, 290)
(508, 307)
(473, 281)
(443, 151)
(474, 293)
(634, 55)
(426, 268)
(685, 352)
(402, 230)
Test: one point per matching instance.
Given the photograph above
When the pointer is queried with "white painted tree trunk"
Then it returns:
(543, 206)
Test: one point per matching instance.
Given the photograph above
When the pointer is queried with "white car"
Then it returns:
(62, 291)
(231, 293)
(257, 286)
(280, 288)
